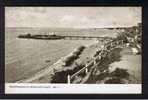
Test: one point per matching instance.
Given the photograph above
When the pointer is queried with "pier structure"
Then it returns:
(55, 36)
(84, 37)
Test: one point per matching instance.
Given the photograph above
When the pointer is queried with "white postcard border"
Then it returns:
(31, 88)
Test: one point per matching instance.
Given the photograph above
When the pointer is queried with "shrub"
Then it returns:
(114, 80)
(81, 48)
(69, 60)
(121, 73)
(61, 77)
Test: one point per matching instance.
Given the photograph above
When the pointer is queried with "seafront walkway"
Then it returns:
(95, 61)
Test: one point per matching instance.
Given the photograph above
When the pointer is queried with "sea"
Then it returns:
(25, 57)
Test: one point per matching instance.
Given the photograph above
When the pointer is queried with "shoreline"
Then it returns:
(49, 71)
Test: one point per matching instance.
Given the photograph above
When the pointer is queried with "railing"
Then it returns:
(97, 60)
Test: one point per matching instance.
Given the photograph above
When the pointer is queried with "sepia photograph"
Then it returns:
(73, 45)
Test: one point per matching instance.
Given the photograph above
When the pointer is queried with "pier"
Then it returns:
(83, 37)
(55, 37)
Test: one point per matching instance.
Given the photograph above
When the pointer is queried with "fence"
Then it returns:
(97, 60)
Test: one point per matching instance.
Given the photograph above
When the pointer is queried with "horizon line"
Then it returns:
(73, 27)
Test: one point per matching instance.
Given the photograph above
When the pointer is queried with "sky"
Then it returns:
(72, 17)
